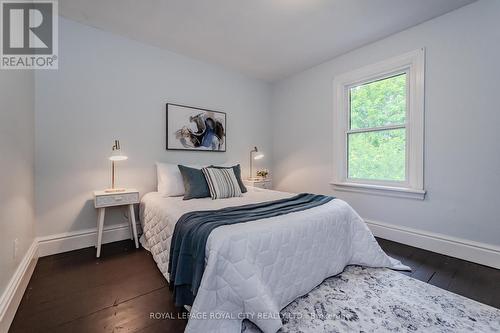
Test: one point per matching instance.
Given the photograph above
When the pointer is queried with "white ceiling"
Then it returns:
(266, 39)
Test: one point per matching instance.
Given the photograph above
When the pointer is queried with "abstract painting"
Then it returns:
(190, 128)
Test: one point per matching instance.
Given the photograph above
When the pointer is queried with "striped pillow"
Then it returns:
(222, 183)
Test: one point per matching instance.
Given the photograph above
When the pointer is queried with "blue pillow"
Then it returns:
(195, 184)
(237, 172)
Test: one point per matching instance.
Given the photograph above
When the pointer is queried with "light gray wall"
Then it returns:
(111, 87)
(462, 114)
(16, 168)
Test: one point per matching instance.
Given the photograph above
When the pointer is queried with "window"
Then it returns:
(379, 128)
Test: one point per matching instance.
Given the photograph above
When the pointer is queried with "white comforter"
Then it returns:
(255, 269)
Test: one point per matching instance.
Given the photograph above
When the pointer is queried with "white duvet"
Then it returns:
(255, 269)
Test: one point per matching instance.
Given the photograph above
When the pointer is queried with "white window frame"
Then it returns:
(413, 64)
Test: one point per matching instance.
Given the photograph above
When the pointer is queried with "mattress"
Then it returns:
(255, 269)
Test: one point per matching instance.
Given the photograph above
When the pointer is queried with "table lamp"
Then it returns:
(256, 157)
(116, 155)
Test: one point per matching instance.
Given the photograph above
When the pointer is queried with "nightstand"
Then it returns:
(103, 200)
(264, 183)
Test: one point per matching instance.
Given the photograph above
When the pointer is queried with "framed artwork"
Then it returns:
(190, 128)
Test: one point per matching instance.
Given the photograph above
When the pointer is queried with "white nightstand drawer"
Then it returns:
(265, 185)
(116, 199)
(260, 183)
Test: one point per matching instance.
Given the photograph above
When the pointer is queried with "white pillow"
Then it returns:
(170, 183)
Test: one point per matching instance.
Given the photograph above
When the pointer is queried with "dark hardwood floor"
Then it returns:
(75, 292)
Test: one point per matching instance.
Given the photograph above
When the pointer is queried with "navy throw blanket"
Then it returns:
(187, 250)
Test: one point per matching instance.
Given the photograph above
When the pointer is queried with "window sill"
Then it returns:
(390, 191)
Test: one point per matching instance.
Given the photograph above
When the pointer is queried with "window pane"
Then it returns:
(379, 103)
(378, 155)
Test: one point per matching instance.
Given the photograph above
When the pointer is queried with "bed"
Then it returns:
(255, 269)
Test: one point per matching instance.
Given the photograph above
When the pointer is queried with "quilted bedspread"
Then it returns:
(255, 269)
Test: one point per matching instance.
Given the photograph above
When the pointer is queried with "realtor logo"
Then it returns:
(29, 34)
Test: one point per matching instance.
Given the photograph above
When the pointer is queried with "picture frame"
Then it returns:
(191, 128)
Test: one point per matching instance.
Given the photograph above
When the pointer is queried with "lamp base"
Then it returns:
(114, 190)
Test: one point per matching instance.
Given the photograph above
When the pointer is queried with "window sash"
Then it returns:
(397, 183)
(375, 129)
(371, 80)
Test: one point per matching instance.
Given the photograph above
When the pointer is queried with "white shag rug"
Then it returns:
(381, 300)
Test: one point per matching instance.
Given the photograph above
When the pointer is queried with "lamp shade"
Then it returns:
(258, 156)
(116, 153)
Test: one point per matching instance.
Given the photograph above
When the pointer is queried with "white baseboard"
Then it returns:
(10, 299)
(481, 253)
(74, 240)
